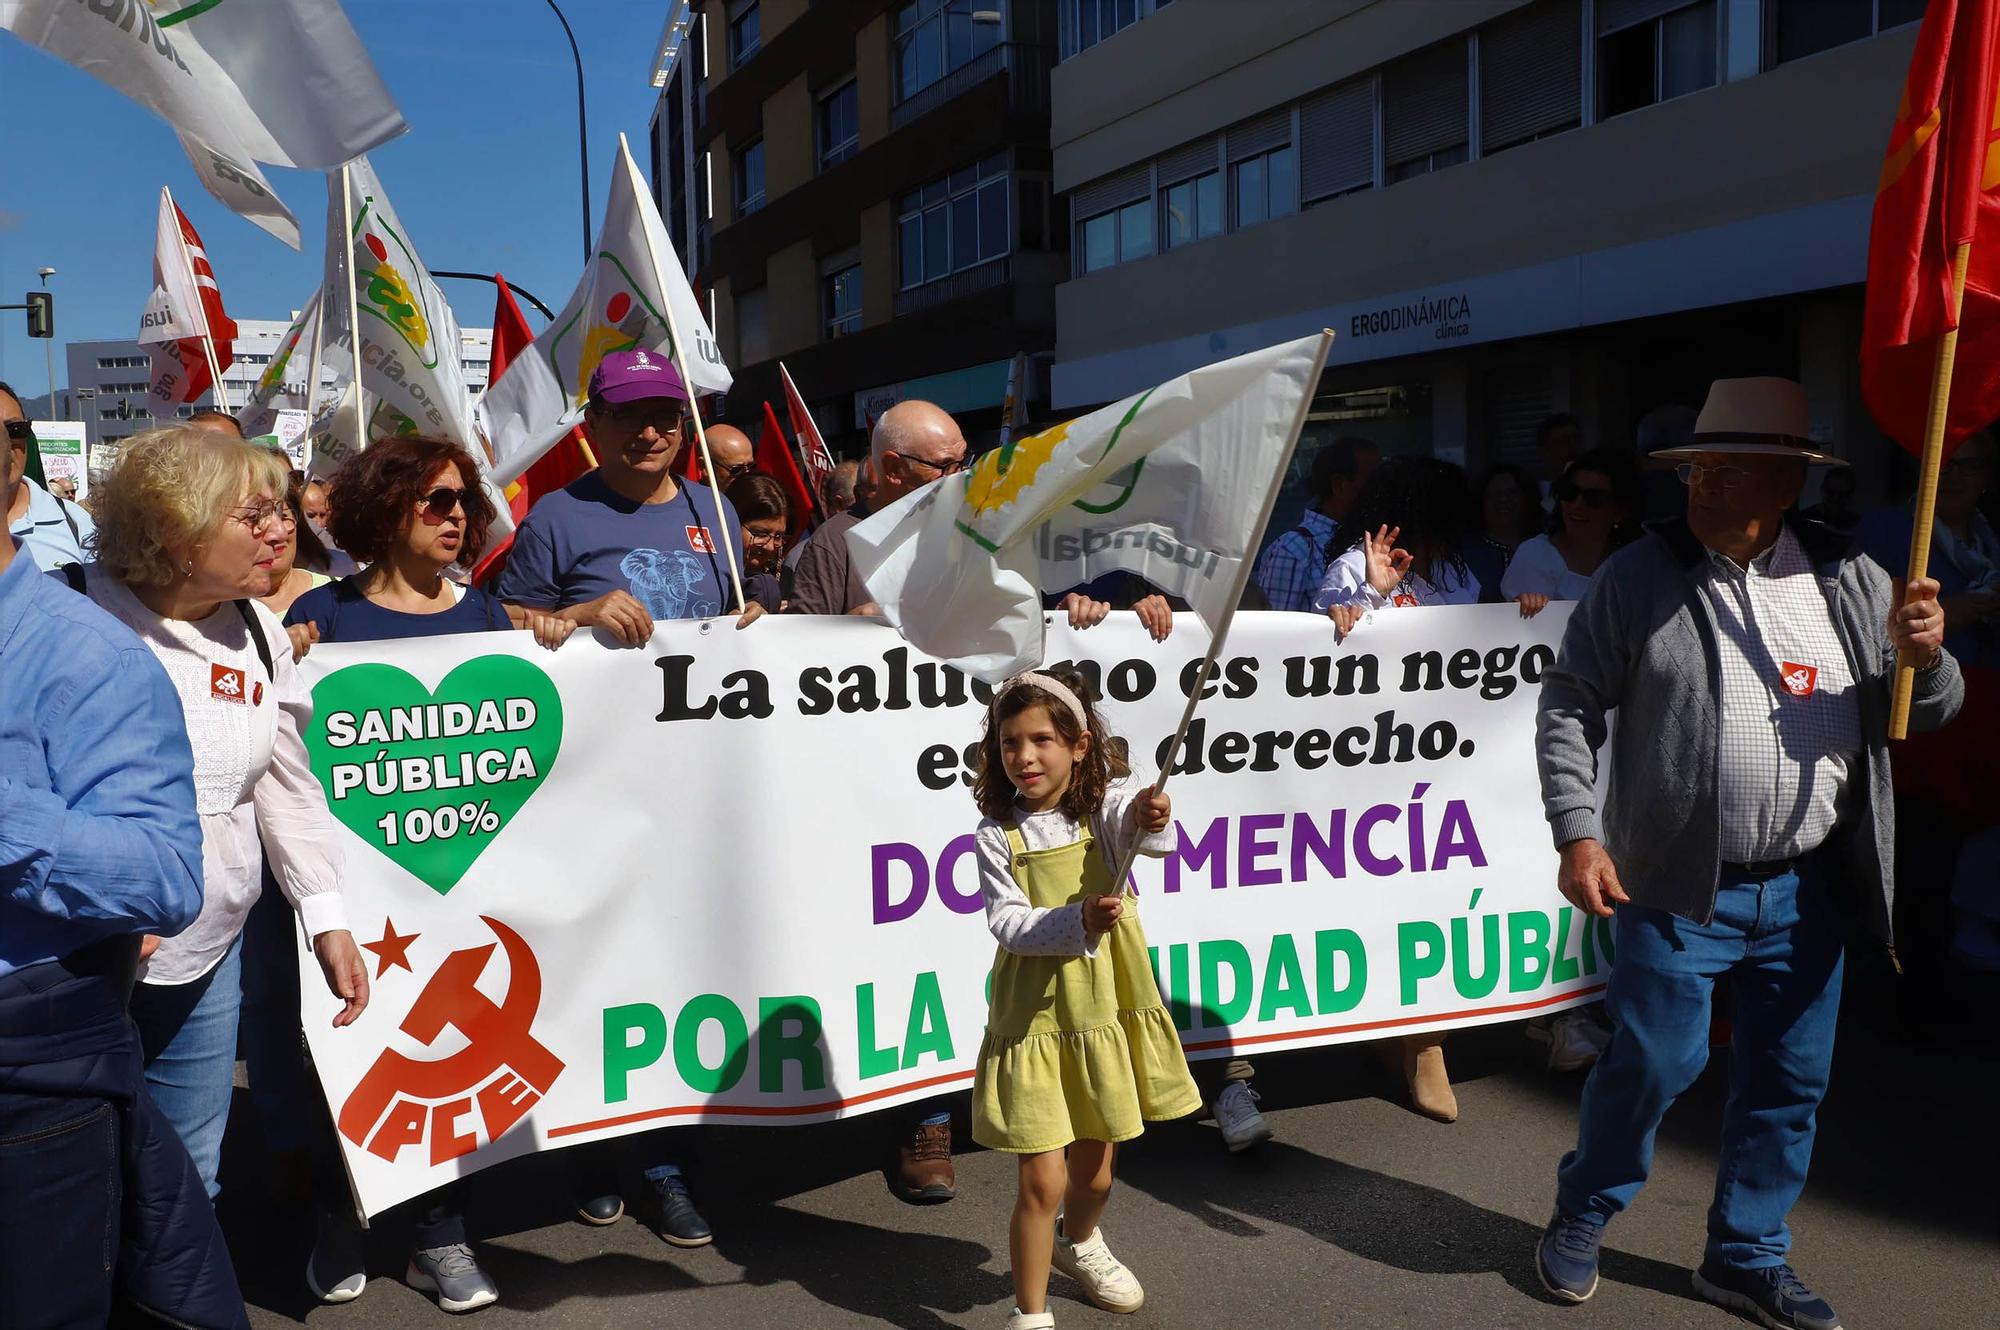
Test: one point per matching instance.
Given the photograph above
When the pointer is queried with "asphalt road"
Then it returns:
(1359, 1214)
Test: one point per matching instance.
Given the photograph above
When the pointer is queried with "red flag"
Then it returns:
(567, 459)
(774, 459)
(180, 367)
(1937, 191)
(819, 462)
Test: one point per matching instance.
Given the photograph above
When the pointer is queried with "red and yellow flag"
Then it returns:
(1938, 191)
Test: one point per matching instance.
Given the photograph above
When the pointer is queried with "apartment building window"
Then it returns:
(1530, 75)
(753, 327)
(936, 37)
(1118, 236)
(748, 180)
(1193, 210)
(1651, 51)
(1266, 186)
(956, 222)
(1426, 122)
(839, 128)
(1085, 23)
(1806, 27)
(1337, 141)
(840, 300)
(745, 32)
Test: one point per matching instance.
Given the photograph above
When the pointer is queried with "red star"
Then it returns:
(392, 950)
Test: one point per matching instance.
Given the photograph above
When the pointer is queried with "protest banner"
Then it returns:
(61, 444)
(729, 877)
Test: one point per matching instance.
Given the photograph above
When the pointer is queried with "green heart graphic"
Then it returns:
(427, 777)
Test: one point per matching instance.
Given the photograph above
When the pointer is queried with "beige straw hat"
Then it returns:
(1764, 416)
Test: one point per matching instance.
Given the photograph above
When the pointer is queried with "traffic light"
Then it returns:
(41, 314)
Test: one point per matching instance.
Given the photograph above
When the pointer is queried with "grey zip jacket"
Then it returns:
(1642, 640)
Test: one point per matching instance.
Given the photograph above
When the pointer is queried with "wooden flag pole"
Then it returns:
(1927, 478)
(1235, 594)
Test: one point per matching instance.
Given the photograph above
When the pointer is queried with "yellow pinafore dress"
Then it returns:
(1076, 1047)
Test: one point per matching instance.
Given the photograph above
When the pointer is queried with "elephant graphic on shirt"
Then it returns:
(664, 581)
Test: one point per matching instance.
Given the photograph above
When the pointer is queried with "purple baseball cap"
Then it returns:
(629, 376)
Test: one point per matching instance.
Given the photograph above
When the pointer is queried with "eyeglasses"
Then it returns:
(752, 536)
(1592, 497)
(20, 431)
(944, 468)
(1693, 473)
(438, 504)
(727, 472)
(256, 516)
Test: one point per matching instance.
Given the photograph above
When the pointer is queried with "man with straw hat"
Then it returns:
(1751, 657)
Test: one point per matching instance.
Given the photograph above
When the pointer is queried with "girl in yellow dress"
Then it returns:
(1079, 1052)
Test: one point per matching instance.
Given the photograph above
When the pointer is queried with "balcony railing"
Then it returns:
(944, 290)
(1027, 70)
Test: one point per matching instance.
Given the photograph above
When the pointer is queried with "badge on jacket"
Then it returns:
(1799, 680)
(225, 684)
(700, 541)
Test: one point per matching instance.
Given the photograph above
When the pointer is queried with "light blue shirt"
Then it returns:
(98, 834)
(46, 529)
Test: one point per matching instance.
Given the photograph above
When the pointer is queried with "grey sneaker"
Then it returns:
(452, 1274)
(1236, 1115)
(336, 1271)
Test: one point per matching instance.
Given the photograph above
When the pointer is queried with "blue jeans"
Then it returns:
(1781, 941)
(188, 1033)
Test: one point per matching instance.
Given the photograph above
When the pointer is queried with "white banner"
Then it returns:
(729, 876)
(61, 444)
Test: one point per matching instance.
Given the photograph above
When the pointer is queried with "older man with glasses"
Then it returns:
(52, 530)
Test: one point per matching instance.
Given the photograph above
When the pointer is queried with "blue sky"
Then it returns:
(485, 179)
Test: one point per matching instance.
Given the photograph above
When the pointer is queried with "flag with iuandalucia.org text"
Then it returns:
(1173, 485)
(632, 280)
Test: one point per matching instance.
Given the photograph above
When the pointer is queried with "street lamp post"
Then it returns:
(582, 127)
(45, 274)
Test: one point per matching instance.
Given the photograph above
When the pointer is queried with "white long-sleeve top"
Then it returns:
(1015, 922)
(251, 776)
(1346, 583)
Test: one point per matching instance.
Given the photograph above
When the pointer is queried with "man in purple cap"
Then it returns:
(627, 545)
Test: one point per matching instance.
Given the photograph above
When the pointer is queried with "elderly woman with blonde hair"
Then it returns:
(190, 525)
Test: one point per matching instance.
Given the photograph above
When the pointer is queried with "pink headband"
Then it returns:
(1053, 687)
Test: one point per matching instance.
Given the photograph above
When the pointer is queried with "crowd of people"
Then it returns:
(164, 846)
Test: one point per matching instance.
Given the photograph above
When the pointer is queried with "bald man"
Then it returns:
(729, 448)
(221, 422)
(914, 443)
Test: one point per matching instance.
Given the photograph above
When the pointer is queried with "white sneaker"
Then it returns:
(1575, 1041)
(1104, 1278)
(1021, 1320)
(1236, 1114)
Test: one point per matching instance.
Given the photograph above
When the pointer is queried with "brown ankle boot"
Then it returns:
(921, 1172)
(1424, 1072)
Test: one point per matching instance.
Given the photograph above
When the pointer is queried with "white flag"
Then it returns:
(631, 283)
(408, 339)
(1173, 485)
(282, 386)
(243, 81)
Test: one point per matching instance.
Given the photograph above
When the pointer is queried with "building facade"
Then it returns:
(866, 188)
(1504, 208)
(109, 380)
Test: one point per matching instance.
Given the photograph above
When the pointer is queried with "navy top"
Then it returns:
(586, 540)
(343, 614)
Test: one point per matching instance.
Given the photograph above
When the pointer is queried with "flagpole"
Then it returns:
(687, 381)
(201, 305)
(1237, 587)
(353, 310)
(1927, 477)
(312, 366)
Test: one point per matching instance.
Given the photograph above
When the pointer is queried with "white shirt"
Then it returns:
(1346, 583)
(1538, 567)
(1791, 720)
(1014, 921)
(251, 776)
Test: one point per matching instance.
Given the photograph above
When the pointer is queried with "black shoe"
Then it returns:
(679, 1222)
(1773, 1294)
(601, 1211)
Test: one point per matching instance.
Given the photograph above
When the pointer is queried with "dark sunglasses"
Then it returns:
(20, 431)
(440, 501)
(1592, 497)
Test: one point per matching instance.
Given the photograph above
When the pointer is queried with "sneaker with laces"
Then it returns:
(1566, 1258)
(1020, 1320)
(679, 1222)
(1236, 1115)
(1575, 1041)
(1105, 1280)
(337, 1270)
(1773, 1294)
(452, 1276)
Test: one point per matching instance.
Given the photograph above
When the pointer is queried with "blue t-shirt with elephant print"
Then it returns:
(586, 540)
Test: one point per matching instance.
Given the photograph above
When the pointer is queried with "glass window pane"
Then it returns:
(1100, 242)
(908, 68)
(958, 35)
(992, 219)
(1135, 230)
(1284, 181)
(1086, 28)
(964, 231)
(910, 243)
(1687, 50)
(937, 191)
(1128, 12)
(907, 16)
(1179, 206)
(930, 52)
(937, 243)
(1250, 195)
(961, 181)
(985, 27)
(1209, 188)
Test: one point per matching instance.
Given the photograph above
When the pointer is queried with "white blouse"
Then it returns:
(1346, 583)
(1057, 930)
(251, 776)
(1538, 566)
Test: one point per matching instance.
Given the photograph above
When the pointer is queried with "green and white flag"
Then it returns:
(633, 294)
(283, 383)
(285, 82)
(1173, 485)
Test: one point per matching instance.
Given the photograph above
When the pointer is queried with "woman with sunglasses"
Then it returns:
(189, 528)
(1597, 498)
